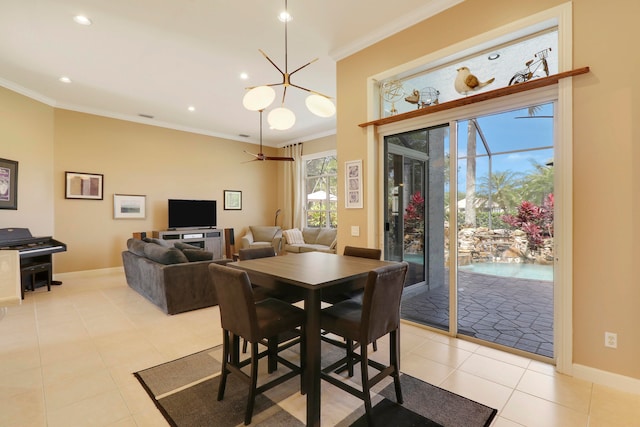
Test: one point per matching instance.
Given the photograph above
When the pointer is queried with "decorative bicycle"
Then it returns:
(535, 67)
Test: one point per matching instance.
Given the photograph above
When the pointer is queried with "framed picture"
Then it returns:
(129, 206)
(353, 184)
(232, 200)
(8, 184)
(80, 185)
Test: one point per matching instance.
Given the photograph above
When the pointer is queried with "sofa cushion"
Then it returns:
(197, 255)
(136, 246)
(326, 236)
(164, 255)
(293, 236)
(263, 233)
(161, 242)
(310, 235)
(182, 246)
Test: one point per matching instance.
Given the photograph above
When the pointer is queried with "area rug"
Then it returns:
(185, 391)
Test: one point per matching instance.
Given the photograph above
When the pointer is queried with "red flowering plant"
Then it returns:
(535, 221)
(414, 213)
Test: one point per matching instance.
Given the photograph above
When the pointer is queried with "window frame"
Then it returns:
(305, 202)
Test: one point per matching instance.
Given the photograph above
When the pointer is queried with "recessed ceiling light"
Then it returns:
(65, 79)
(244, 76)
(191, 108)
(82, 20)
(493, 56)
(285, 16)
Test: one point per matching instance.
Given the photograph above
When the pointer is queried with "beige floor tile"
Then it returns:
(19, 409)
(442, 353)
(614, 407)
(150, 418)
(502, 422)
(503, 356)
(533, 411)
(17, 383)
(96, 411)
(77, 388)
(425, 369)
(479, 389)
(493, 370)
(561, 389)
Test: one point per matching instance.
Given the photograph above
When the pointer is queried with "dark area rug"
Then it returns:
(185, 391)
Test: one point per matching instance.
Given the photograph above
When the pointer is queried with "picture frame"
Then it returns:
(8, 184)
(353, 184)
(232, 200)
(129, 206)
(83, 185)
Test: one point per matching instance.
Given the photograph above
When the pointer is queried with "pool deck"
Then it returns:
(509, 311)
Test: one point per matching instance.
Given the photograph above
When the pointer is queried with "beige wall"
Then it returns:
(26, 135)
(606, 197)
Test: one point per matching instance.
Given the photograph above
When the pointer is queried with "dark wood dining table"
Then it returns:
(309, 274)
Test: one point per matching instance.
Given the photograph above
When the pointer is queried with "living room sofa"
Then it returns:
(310, 239)
(260, 236)
(175, 279)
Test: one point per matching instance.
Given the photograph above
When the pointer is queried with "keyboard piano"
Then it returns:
(34, 252)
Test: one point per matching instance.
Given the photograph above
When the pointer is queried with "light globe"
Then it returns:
(281, 118)
(320, 105)
(259, 98)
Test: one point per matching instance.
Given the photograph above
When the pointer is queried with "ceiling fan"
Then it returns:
(260, 156)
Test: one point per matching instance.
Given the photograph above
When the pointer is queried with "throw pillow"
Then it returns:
(182, 246)
(197, 255)
(160, 242)
(164, 255)
(293, 236)
(136, 246)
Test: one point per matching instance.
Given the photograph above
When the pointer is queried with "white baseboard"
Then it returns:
(608, 379)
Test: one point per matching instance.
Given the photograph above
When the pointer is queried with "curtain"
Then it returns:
(294, 196)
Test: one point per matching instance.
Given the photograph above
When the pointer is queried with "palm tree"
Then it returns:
(502, 188)
(538, 184)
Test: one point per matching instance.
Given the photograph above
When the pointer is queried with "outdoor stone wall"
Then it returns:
(484, 245)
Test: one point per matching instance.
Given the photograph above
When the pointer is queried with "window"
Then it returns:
(321, 200)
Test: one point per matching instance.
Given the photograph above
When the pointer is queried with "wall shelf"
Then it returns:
(484, 96)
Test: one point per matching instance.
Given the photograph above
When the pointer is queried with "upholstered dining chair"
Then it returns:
(242, 317)
(371, 253)
(377, 316)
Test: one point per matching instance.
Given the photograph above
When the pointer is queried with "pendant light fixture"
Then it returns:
(260, 97)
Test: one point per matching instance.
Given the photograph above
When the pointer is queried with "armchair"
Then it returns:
(259, 236)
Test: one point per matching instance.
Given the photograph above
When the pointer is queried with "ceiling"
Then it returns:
(158, 57)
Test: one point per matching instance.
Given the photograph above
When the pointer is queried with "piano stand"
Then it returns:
(33, 274)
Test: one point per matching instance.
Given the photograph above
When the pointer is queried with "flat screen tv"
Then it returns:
(192, 213)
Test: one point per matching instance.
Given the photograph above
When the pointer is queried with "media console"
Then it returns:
(209, 239)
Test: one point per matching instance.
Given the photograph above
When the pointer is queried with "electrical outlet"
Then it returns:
(611, 340)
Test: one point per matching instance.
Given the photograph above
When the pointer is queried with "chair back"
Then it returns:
(362, 252)
(381, 301)
(235, 299)
(255, 253)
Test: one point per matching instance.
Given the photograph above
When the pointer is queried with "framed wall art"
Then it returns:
(232, 200)
(129, 206)
(81, 185)
(8, 184)
(353, 184)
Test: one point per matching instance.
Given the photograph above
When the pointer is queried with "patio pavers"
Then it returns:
(509, 311)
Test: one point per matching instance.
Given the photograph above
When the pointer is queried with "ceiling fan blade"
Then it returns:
(286, 159)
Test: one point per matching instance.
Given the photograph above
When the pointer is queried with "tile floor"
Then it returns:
(67, 357)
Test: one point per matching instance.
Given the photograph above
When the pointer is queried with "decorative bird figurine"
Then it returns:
(414, 97)
(467, 82)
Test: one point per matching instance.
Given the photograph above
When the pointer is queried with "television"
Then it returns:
(192, 213)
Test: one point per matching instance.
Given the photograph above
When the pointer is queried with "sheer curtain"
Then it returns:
(293, 188)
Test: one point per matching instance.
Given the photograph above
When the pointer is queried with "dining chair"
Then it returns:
(377, 316)
(255, 321)
(371, 253)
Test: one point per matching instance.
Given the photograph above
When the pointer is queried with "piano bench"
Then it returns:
(29, 271)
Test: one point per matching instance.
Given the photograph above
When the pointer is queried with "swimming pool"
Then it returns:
(522, 271)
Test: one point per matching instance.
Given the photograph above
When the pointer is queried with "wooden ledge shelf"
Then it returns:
(484, 96)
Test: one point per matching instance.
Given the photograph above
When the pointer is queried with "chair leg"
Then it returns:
(350, 357)
(395, 361)
(253, 383)
(364, 367)
(375, 345)
(225, 358)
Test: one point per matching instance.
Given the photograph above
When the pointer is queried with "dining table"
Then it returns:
(309, 274)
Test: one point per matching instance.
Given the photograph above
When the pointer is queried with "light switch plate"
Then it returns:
(355, 230)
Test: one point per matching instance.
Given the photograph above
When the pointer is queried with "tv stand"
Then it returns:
(209, 239)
